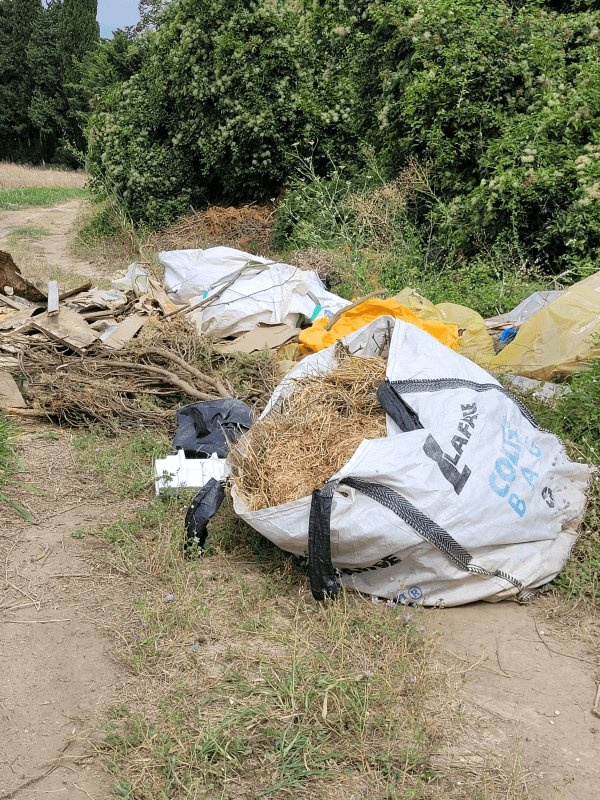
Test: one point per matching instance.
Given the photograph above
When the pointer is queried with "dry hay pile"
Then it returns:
(321, 262)
(311, 435)
(243, 228)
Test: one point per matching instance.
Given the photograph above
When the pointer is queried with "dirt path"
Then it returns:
(529, 669)
(57, 678)
(47, 254)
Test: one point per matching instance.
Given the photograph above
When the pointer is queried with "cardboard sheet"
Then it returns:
(10, 396)
(271, 336)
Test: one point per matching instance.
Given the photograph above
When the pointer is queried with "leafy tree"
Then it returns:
(149, 11)
(18, 19)
(78, 34)
(110, 62)
(504, 103)
(227, 93)
(8, 80)
(500, 101)
(48, 102)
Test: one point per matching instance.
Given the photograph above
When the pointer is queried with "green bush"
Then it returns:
(501, 103)
(504, 103)
(225, 93)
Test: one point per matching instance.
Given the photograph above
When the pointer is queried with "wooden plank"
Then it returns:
(106, 312)
(71, 292)
(53, 307)
(67, 328)
(17, 321)
(8, 301)
(125, 331)
(10, 396)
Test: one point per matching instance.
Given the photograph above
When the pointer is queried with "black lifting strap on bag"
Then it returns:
(394, 406)
(322, 573)
(202, 509)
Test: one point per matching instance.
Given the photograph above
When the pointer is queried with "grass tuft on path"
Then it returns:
(15, 199)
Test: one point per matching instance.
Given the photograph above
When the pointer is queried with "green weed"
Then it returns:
(14, 199)
(10, 465)
(367, 225)
(29, 231)
(124, 463)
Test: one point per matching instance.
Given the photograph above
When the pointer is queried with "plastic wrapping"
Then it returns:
(560, 339)
(264, 292)
(207, 427)
(317, 338)
(202, 509)
(474, 342)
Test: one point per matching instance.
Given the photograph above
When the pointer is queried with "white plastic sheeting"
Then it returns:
(479, 504)
(265, 292)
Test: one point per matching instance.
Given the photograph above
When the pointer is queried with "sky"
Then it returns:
(113, 14)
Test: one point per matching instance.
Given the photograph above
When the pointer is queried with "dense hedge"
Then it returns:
(505, 103)
(502, 101)
(227, 93)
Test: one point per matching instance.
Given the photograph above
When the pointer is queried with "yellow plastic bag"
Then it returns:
(317, 338)
(559, 339)
(474, 342)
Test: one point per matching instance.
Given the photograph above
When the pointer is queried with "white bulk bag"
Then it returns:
(477, 504)
(264, 292)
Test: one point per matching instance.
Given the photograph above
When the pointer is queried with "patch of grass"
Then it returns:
(124, 463)
(10, 465)
(33, 232)
(15, 199)
(106, 233)
(254, 685)
(244, 686)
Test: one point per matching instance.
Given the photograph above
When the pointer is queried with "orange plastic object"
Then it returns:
(316, 338)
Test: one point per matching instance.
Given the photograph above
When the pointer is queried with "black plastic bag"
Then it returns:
(202, 509)
(208, 427)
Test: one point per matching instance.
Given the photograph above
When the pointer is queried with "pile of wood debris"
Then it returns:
(80, 363)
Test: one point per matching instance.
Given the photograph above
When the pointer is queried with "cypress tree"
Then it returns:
(48, 103)
(26, 17)
(8, 80)
(78, 34)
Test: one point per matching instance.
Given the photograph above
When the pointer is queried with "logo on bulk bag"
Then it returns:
(509, 467)
(414, 593)
(448, 464)
(548, 496)
(388, 561)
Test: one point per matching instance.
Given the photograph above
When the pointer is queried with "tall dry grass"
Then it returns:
(20, 176)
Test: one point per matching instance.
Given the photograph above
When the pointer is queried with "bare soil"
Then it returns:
(528, 669)
(58, 675)
(47, 254)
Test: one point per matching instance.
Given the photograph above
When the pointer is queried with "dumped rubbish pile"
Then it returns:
(390, 453)
(463, 497)
(122, 358)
